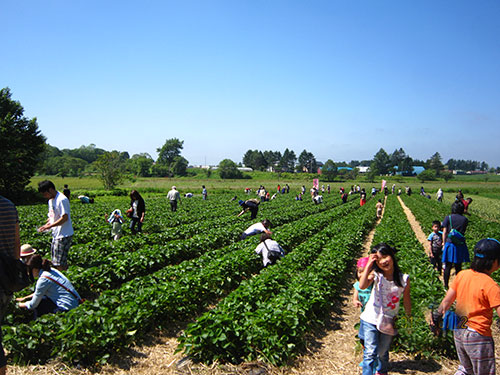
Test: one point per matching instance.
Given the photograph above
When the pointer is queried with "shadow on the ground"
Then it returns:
(409, 366)
(126, 359)
(331, 321)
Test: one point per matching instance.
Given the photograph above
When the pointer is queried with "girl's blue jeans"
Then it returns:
(376, 353)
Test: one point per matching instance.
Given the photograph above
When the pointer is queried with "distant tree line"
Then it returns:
(381, 164)
(467, 165)
(26, 153)
(89, 160)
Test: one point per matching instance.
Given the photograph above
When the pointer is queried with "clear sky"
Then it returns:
(338, 78)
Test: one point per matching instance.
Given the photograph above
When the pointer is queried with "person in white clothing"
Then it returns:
(439, 195)
(318, 199)
(377, 320)
(271, 251)
(59, 221)
(262, 227)
(173, 196)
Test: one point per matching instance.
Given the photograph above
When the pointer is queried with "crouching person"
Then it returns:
(262, 227)
(271, 250)
(53, 292)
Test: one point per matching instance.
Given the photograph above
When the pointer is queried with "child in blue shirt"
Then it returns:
(436, 246)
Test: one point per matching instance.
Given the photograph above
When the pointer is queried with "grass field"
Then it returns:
(472, 185)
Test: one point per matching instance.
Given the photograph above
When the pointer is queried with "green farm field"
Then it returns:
(190, 274)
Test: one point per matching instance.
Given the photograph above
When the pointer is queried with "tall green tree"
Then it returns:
(65, 166)
(248, 158)
(307, 161)
(255, 159)
(88, 153)
(229, 169)
(140, 164)
(406, 166)
(179, 166)
(287, 162)
(435, 164)
(167, 154)
(110, 169)
(273, 158)
(22, 144)
(381, 163)
(329, 170)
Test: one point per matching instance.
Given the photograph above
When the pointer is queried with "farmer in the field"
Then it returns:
(251, 205)
(173, 197)
(262, 227)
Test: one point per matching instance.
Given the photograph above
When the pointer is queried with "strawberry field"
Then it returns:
(191, 266)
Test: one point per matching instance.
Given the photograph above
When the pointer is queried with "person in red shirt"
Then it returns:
(466, 203)
(476, 295)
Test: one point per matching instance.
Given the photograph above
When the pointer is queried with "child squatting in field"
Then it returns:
(377, 320)
(116, 221)
(476, 295)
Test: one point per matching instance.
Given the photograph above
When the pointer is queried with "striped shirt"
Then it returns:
(8, 221)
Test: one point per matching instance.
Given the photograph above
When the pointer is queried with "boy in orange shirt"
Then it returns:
(477, 294)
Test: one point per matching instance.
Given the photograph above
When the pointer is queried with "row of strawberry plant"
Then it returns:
(268, 316)
(426, 288)
(426, 211)
(120, 316)
(98, 251)
(89, 219)
(119, 267)
(477, 229)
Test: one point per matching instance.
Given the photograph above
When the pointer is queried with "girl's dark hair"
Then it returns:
(36, 261)
(134, 195)
(385, 249)
(265, 236)
(266, 223)
(486, 252)
(457, 208)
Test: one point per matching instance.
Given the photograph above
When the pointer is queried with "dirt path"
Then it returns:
(415, 225)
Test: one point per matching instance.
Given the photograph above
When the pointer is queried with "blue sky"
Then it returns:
(338, 78)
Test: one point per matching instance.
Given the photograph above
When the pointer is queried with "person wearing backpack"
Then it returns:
(251, 205)
(455, 250)
(271, 250)
(53, 291)
(10, 246)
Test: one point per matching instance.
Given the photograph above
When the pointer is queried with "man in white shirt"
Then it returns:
(59, 221)
(173, 196)
(257, 228)
(271, 251)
